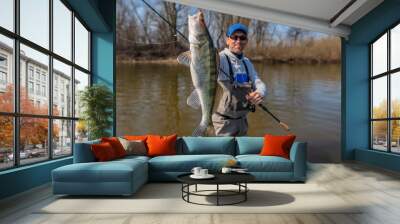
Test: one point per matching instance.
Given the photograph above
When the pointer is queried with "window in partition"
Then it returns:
(34, 21)
(49, 81)
(7, 14)
(385, 91)
(6, 73)
(62, 30)
(81, 45)
(6, 142)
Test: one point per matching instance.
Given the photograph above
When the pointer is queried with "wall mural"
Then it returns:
(197, 72)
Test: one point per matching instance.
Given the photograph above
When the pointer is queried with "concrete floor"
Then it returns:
(377, 188)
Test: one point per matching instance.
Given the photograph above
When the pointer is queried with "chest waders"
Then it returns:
(230, 119)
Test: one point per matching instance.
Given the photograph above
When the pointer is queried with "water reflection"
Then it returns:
(151, 98)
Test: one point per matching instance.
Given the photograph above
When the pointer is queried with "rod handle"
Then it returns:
(285, 126)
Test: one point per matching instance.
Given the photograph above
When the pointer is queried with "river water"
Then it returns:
(151, 99)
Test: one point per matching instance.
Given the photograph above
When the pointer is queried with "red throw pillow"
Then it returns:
(103, 151)
(161, 145)
(116, 145)
(277, 145)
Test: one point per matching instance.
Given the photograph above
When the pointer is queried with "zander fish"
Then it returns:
(203, 61)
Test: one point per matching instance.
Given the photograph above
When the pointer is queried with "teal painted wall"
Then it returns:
(102, 59)
(103, 53)
(380, 159)
(99, 15)
(89, 11)
(103, 64)
(355, 84)
(355, 102)
(24, 178)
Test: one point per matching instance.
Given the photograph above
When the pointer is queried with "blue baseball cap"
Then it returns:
(235, 27)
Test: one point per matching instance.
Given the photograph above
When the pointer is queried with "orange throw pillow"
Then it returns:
(103, 152)
(116, 145)
(277, 145)
(161, 145)
(136, 137)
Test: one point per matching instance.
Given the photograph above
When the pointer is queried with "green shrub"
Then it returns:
(96, 102)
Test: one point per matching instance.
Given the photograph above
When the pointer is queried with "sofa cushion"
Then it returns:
(133, 158)
(103, 152)
(185, 163)
(83, 152)
(257, 163)
(161, 145)
(136, 137)
(116, 145)
(112, 171)
(134, 147)
(249, 145)
(277, 145)
(206, 145)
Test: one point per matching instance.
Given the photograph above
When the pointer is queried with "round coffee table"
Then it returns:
(238, 179)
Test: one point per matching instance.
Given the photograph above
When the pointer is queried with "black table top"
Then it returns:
(220, 178)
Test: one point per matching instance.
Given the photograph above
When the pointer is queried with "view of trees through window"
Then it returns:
(39, 124)
(385, 92)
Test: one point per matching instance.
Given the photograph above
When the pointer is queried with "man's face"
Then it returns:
(237, 42)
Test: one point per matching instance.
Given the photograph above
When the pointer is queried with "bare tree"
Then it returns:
(219, 25)
(260, 29)
(144, 22)
(294, 34)
(142, 34)
(126, 26)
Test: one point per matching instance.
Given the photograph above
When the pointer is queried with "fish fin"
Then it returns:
(193, 100)
(204, 130)
(184, 58)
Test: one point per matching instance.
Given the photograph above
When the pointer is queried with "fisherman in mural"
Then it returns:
(242, 88)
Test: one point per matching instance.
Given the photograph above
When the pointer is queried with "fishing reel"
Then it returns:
(249, 106)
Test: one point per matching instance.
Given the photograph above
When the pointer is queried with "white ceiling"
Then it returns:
(323, 9)
(314, 15)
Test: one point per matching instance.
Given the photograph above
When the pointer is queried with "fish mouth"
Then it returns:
(197, 29)
(198, 17)
(197, 23)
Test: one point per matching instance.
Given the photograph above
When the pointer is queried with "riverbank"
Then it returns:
(320, 51)
(173, 61)
(166, 61)
(310, 51)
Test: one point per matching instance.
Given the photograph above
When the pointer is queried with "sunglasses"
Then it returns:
(235, 37)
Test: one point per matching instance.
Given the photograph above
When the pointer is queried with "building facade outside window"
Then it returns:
(37, 90)
(30, 87)
(3, 61)
(3, 78)
(30, 72)
(3, 72)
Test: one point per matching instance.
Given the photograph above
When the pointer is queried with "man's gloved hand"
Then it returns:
(254, 98)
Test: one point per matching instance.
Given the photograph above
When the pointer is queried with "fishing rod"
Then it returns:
(166, 20)
(285, 126)
(262, 106)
